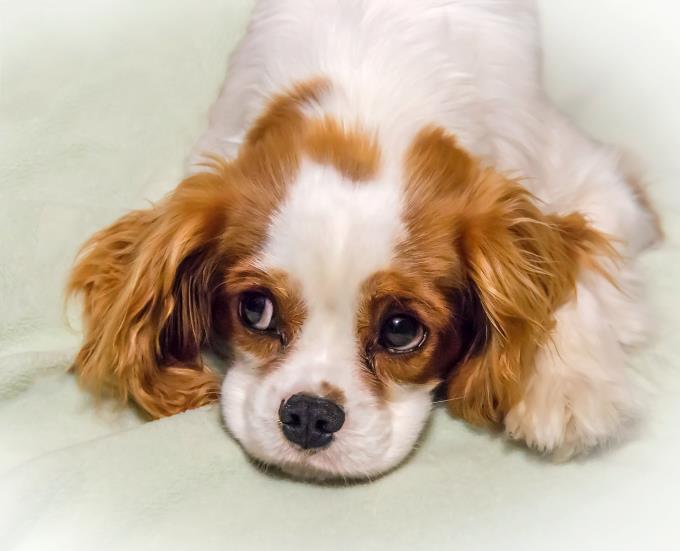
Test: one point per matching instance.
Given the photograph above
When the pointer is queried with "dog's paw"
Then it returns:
(563, 426)
(554, 434)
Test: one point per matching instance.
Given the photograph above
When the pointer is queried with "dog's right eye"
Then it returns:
(257, 311)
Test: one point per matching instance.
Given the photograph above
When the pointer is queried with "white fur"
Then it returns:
(471, 67)
(330, 235)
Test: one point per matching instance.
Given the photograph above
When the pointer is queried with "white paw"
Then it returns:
(563, 424)
(579, 395)
(555, 435)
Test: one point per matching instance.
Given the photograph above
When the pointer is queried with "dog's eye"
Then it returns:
(402, 333)
(257, 311)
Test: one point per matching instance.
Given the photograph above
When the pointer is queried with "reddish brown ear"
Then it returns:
(520, 263)
(147, 282)
(523, 265)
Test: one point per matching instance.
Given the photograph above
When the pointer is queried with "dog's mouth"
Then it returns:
(332, 463)
(305, 471)
(306, 453)
(305, 465)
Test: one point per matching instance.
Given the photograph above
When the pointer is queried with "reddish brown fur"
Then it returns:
(135, 293)
(391, 292)
(332, 392)
(473, 229)
(352, 152)
(150, 280)
(153, 281)
(289, 309)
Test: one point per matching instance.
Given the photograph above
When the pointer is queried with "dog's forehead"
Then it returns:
(332, 233)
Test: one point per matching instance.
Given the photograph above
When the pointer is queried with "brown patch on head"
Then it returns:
(352, 152)
(150, 281)
(333, 393)
(474, 233)
(284, 116)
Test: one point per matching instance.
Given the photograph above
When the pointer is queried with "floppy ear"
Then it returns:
(522, 264)
(149, 280)
(147, 283)
(514, 266)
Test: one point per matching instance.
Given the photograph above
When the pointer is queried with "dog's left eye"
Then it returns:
(402, 333)
(257, 311)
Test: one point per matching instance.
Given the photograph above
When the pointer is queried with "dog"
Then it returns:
(385, 208)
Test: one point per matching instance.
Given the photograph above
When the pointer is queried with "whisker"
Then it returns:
(454, 399)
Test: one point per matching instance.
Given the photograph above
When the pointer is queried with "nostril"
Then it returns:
(321, 425)
(289, 417)
(328, 417)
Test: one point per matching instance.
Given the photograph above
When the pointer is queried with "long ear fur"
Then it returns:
(523, 264)
(514, 264)
(147, 282)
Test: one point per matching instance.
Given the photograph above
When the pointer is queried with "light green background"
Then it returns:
(99, 103)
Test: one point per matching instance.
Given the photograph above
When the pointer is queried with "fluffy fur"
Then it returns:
(368, 156)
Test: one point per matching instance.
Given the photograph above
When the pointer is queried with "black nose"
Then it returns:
(309, 421)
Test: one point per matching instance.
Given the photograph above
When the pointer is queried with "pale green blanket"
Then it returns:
(100, 101)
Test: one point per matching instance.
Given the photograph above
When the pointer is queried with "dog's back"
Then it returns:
(396, 66)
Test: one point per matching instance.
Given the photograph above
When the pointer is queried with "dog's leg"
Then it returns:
(580, 395)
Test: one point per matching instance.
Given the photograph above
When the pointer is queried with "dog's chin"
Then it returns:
(314, 467)
(311, 473)
(328, 464)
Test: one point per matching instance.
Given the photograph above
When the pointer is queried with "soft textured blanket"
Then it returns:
(99, 103)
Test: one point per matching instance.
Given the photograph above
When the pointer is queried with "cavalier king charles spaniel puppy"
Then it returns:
(385, 208)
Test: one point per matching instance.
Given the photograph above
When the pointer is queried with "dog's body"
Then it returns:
(366, 153)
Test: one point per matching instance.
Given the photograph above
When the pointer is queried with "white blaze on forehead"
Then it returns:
(331, 233)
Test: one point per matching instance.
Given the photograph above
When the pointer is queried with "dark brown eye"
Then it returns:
(257, 311)
(402, 333)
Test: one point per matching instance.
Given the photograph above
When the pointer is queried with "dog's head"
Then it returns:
(346, 286)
